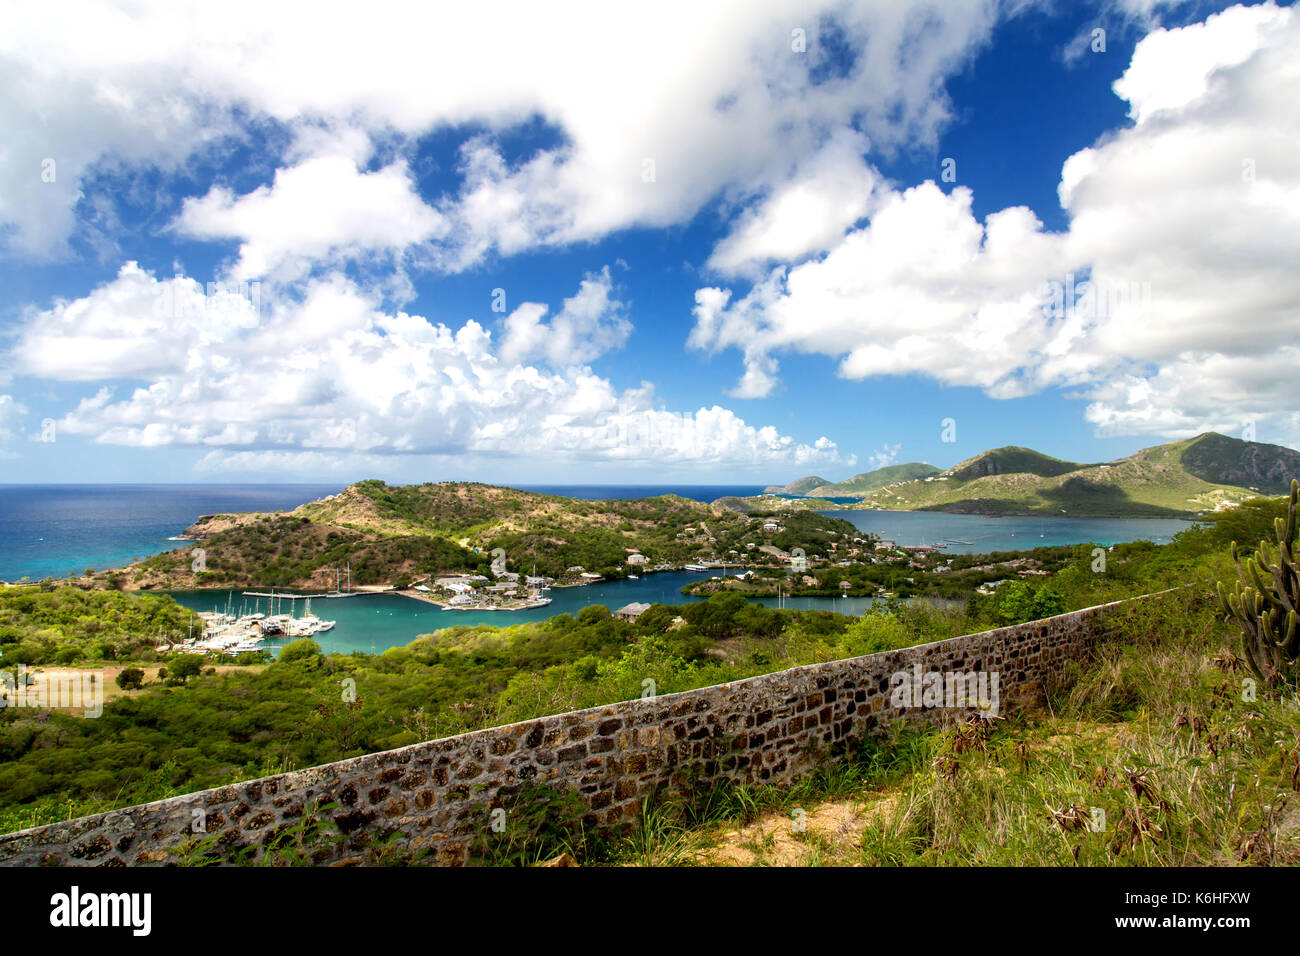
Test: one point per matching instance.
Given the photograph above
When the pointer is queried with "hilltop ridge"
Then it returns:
(1177, 479)
(390, 534)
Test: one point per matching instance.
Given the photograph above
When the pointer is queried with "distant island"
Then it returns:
(1180, 479)
(449, 542)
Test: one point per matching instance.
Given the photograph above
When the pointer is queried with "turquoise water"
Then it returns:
(376, 622)
(380, 621)
(57, 530)
(1008, 533)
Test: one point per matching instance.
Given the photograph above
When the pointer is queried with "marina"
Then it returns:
(384, 617)
(227, 632)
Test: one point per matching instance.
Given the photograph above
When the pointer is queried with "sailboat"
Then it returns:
(537, 598)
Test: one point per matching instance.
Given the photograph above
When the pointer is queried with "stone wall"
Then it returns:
(438, 795)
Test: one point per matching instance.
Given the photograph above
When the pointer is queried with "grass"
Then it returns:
(1157, 754)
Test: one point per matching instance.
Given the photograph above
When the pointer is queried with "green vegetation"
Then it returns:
(196, 730)
(965, 573)
(1177, 479)
(800, 486)
(1157, 733)
(282, 551)
(1264, 603)
(1011, 460)
(1221, 460)
(45, 624)
(1151, 756)
(861, 484)
(1156, 754)
(401, 535)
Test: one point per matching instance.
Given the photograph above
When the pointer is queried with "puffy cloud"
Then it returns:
(924, 287)
(1171, 69)
(1199, 391)
(320, 209)
(885, 456)
(591, 323)
(10, 412)
(742, 105)
(1198, 204)
(1179, 260)
(807, 213)
(134, 327)
(328, 376)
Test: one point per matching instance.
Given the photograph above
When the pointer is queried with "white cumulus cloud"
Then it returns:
(1184, 232)
(750, 93)
(328, 375)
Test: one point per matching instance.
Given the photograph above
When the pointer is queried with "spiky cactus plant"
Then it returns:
(1265, 603)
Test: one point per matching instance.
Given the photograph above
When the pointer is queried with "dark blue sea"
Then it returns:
(57, 530)
(606, 492)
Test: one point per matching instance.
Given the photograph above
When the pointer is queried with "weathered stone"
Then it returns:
(770, 728)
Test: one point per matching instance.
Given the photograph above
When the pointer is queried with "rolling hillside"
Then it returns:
(399, 534)
(1010, 460)
(1177, 479)
(800, 486)
(867, 481)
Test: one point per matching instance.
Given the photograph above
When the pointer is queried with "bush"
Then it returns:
(185, 666)
(67, 655)
(304, 649)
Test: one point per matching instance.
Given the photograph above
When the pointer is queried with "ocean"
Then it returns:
(57, 530)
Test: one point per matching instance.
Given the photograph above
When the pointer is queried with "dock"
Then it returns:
(301, 597)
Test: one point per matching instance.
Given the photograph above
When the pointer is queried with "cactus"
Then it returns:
(1265, 603)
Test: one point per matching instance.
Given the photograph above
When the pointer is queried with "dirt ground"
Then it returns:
(828, 834)
(108, 674)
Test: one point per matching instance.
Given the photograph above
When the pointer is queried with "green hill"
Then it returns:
(1011, 460)
(1231, 461)
(869, 481)
(1177, 479)
(391, 534)
(800, 486)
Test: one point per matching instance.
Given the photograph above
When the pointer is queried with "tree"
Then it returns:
(303, 649)
(185, 666)
(130, 678)
(1019, 601)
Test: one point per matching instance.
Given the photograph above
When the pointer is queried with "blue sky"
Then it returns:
(742, 244)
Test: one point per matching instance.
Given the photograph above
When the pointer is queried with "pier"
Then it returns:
(302, 597)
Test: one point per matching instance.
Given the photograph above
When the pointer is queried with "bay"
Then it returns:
(987, 533)
(376, 622)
